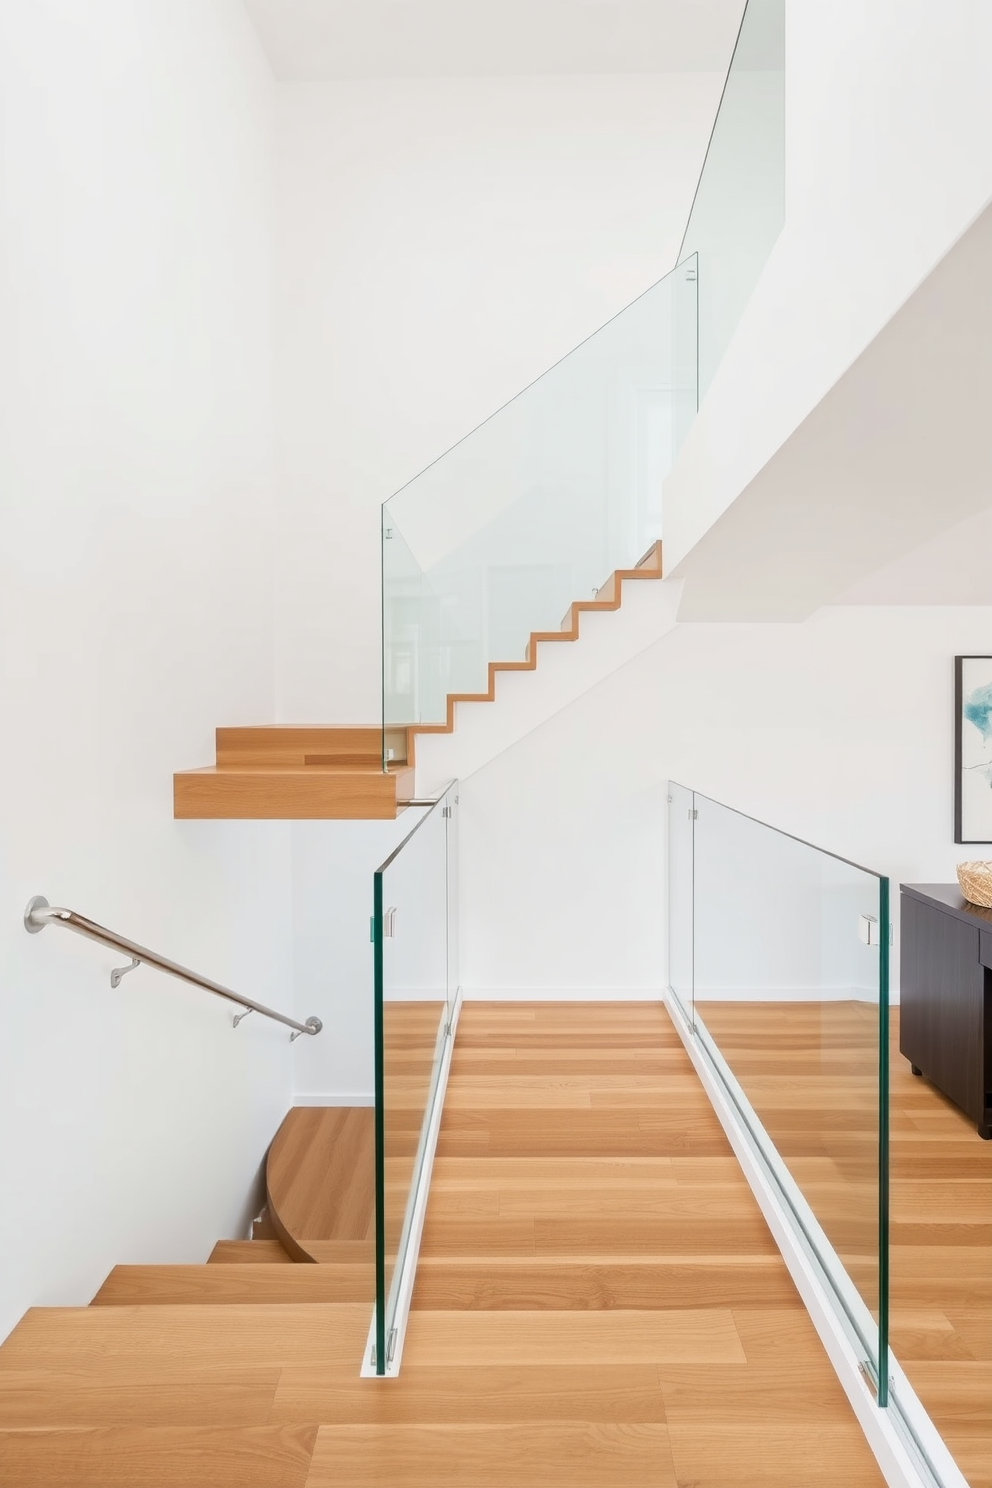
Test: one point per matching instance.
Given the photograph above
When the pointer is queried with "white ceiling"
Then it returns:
(336, 39)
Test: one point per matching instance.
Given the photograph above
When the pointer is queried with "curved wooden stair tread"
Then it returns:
(276, 772)
(320, 1184)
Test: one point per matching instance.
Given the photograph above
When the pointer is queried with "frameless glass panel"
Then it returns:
(534, 509)
(739, 205)
(685, 349)
(415, 981)
(790, 996)
(680, 829)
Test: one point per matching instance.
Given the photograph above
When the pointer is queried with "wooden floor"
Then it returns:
(810, 1072)
(598, 1304)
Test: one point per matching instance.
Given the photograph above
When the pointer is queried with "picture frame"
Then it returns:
(973, 749)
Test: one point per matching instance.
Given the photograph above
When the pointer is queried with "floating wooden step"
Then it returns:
(294, 774)
(320, 1179)
(128, 1286)
(249, 1253)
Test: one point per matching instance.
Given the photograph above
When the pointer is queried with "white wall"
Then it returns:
(333, 979)
(839, 729)
(441, 243)
(136, 613)
(888, 160)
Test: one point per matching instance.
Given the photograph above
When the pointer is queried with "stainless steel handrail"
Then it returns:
(40, 913)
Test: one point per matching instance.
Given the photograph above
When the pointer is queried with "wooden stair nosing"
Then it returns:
(237, 1283)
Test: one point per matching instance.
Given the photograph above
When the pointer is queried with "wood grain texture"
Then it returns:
(158, 1457)
(130, 1285)
(249, 1252)
(292, 793)
(320, 1176)
(809, 1071)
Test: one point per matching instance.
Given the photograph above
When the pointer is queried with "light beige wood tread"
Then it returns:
(158, 1457)
(237, 1283)
(249, 1252)
(320, 1177)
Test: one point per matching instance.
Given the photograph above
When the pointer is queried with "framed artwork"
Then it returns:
(973, 749)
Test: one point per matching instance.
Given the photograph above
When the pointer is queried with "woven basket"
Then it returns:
(976, 883)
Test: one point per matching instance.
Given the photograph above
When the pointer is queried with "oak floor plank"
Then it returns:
(485, 1393)
(548, 1454)
(158, 1457)
(132, 1343)
(44, 1398)
(697, 1335)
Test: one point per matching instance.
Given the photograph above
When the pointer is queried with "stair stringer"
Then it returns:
(524, 700)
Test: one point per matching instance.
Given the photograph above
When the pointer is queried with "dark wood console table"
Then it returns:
(945, 1017)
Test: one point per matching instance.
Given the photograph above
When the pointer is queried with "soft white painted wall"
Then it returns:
(888, 159)
(838, 729)
(333, 866)
(440, 244)
(135, 614)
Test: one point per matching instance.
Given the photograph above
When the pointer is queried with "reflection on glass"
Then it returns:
(415, 984)
(789, 989)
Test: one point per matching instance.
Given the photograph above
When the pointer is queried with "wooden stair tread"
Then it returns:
(158, 1457)
(249, 1252)
(526, 1283)
(238, 1283)
(320, 1177)
(201, 1397)
(298, 792)
(134, 1343)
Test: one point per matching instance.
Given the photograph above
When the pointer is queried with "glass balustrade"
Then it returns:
(536, 508)
(778, 956)
(739, 206)
(415, 943)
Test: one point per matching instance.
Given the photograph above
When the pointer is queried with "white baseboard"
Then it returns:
(335, 1098)
(562, 994)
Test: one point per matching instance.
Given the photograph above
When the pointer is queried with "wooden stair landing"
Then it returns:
(273, 772)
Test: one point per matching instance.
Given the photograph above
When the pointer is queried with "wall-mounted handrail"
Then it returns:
(40, 913)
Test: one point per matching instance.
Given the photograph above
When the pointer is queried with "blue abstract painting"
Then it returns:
(974, 731)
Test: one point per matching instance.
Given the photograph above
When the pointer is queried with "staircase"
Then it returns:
(171, 1377)
(285, 773)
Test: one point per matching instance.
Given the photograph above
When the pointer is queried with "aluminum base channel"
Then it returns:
(403, 1282)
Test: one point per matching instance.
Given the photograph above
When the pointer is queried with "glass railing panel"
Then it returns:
(739, 207)
(790, 996)
(681, 820)
(415, 954)
(534, 509)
